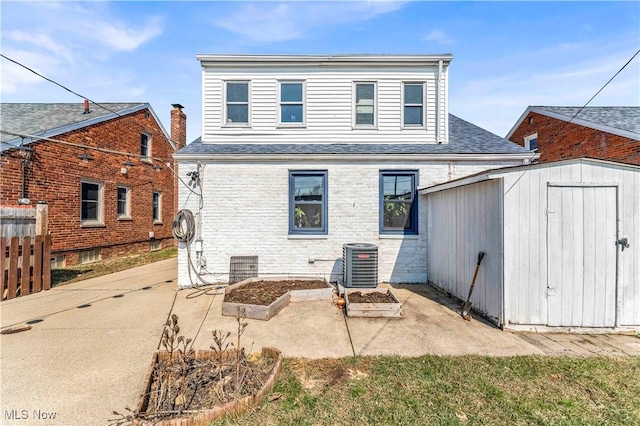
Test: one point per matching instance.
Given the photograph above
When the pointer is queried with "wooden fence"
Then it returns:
(25, 265)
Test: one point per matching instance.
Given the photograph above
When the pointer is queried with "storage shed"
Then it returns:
(562, 244)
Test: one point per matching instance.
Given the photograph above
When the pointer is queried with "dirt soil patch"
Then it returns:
(205, 383)
(265, 292)
(371, 297)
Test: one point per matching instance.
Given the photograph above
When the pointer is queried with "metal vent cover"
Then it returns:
(360, 265)
(242, 268)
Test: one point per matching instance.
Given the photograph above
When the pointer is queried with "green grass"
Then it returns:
(96, 269)
(467, 390)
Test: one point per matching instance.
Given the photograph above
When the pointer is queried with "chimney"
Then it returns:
(86, 107)
(178, 126)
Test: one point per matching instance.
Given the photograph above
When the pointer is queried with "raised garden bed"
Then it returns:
(264, 370)
(261, 298)
(372, 303)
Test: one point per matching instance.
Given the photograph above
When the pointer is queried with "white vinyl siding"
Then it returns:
(328, 105)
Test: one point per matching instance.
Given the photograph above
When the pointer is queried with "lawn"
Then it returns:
(96, 269)
(466, 390)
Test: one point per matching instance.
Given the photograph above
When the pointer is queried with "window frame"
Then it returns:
(354, 115)
(158, 220)
(127, 214)
(423, 105)
(302, 102)
(225, 104)
(414, 203)
(324, 229)
(145, 157)
(527, 142)
(99, 220)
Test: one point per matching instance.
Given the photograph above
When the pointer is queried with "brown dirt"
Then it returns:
(370, 297)
(205, 384)
(265, 292)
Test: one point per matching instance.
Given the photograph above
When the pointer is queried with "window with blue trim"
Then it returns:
(398, 202)
(308, 202)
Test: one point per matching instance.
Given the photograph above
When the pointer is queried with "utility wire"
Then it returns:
(58, 84)
(597, 93)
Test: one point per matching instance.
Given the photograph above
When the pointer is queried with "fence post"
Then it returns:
(37, 264)
(46, 263)
(3, 266)
(26, 263)
(42, 218)
(13, 267)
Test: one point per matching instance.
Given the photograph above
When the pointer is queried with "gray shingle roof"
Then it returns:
(464, 138)
(54, 118)
(619, 117)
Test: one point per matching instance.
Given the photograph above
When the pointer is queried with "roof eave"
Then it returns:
(320, 60)
(350, 157)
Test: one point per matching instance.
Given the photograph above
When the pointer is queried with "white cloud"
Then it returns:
(119, 36)
(277, 22)
(439, 37)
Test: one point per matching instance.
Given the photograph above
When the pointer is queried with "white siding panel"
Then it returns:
(461, 223)
(329, 96)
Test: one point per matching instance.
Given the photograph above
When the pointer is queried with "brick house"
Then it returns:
(104, 172)
(557, 133)
(301, 154)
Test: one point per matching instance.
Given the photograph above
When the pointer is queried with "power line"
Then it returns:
(58, 84)
(597, 93)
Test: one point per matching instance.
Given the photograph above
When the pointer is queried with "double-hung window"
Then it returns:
(237, 103)
(291, 112)
(364, 108)
(124, 203)
(91, 202)
(308, 202)
(157, 207)
(398, 202)
(145, 146)
(413, 104)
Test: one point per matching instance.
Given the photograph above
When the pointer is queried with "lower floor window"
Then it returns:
(398, 202)
(154, 245)
(157, 205)
(308, 202)
(88, 256)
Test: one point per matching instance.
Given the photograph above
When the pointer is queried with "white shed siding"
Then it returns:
(525, 225)
(461, 223)
(329, 97)
(245, 212)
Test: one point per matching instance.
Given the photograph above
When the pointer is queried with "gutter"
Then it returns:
(237, 158)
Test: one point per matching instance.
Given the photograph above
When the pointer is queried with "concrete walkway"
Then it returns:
(91, 342)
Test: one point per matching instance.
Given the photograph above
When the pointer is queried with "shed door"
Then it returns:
(581, 237)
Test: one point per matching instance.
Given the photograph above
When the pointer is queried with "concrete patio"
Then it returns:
(91, 342)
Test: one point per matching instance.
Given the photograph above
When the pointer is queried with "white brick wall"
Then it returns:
(245, 213)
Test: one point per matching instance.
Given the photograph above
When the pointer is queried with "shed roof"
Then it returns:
(464, 138)
(619, 120)
(498, 172)
(51, 119)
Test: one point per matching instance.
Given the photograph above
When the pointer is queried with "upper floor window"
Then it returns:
(398, 202)
(124, 204)
(157, 207)
(531, 142)
(413, 105)
(145, 146)
(237, 103)
(292, 102)
(365, 104)
(308, 202)
(91, 202)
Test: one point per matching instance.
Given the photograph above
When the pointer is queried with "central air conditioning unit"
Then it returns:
(360, 265)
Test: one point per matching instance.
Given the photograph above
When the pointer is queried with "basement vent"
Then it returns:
(242, 268)
(360, 265)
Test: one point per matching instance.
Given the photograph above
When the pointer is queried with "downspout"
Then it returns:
(438, 91)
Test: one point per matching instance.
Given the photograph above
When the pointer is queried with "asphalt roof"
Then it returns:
(55, 118)
(620, 117)
(464, 138)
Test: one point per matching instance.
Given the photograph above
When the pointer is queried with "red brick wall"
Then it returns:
(559, 142)
(54, 176)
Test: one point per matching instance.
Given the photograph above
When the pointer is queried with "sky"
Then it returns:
(506, 55)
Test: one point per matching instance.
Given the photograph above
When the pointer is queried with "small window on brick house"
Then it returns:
(89, 256)
(145, 146)
(157, 207)
(531, 142)
(91, 200)
(124, 203)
